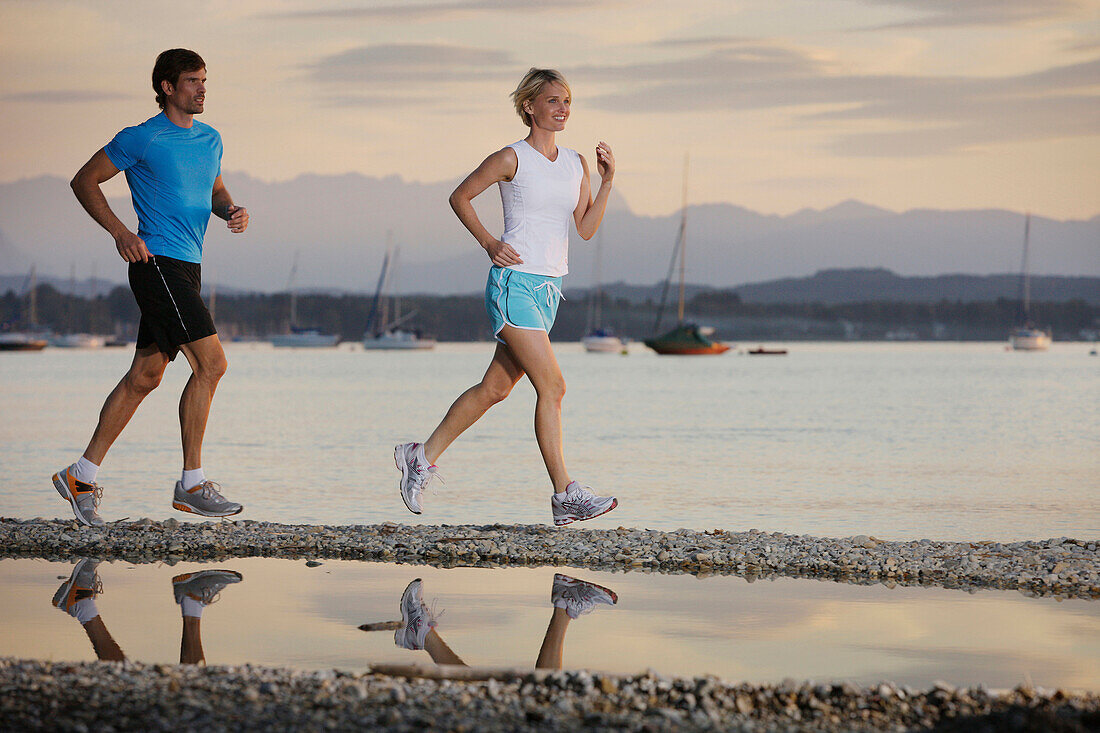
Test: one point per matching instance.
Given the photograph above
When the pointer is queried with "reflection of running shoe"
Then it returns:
(204, 499)
(416, 619)
(578, 503)
(203, 586)
(83, 497)
(579, 596)
(416, 472)
(82, 583)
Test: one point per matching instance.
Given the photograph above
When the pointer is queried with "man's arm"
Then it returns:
(86, 186)
(221, 204)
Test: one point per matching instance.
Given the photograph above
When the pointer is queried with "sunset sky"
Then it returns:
(782, 104)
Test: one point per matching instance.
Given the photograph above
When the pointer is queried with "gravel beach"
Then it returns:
(1060, 567)
(128, 696)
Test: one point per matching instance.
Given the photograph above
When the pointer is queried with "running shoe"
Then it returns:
(83, 497)
(579, 596)
(204, 499)
(578, 503)
(416, 472)
(203, 586)
(82, 583)
(416, 619)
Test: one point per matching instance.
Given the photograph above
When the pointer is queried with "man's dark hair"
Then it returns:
(170, 64)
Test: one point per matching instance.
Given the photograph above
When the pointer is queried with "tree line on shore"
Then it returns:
(462, 317)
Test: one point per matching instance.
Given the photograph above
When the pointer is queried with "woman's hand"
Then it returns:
(501, 254)
(605, 161)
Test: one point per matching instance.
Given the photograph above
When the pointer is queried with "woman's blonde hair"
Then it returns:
(531, 86)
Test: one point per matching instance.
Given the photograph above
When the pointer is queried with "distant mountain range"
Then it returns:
(829, 287)
(339, 224)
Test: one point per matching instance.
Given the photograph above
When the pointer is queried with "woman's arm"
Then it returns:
(500, 166)
(589, 213)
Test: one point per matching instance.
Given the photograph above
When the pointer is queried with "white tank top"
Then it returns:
(538, 207)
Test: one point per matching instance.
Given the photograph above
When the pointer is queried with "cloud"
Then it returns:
(411, 62)
(431, 11)
(934, 114)
(961, 13)
(65, 96)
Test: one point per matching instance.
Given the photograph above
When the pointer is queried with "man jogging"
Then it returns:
(173, 169)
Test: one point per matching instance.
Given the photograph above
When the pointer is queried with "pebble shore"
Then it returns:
(87, 696)
(1060, 567)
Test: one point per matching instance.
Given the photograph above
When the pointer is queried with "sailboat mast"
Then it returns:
(293, 296)
(34, 297)
(683, 230)
(1026, 284)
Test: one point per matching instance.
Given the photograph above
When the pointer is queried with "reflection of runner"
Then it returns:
(569, 596)
(542, 187)
(173, 169)
(193, 592)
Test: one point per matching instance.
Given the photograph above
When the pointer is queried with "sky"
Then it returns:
(780, 104)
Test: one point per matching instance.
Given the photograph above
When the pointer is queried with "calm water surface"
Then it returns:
(946, 441)
(285, 614)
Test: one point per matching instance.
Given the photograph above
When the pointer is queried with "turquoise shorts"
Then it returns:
(521, 300)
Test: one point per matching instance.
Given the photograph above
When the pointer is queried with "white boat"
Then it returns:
(1027, 337)
(381, 333)
(398, 340)
(601, 341)
(304, 338)
(298, 336)
(78, 341)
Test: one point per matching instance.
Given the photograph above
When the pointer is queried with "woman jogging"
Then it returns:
(542, 186)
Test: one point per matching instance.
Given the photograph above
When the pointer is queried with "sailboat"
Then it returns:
(686, 339)
(381, 333)
(1027, 337)
(599, 339)
(32, 340)
(299, 337)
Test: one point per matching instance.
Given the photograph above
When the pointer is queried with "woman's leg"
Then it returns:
(532, 352)
(500, 377)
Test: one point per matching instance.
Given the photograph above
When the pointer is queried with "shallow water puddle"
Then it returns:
(283, 613)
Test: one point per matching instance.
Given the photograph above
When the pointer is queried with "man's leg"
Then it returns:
(191, 642)
(143, 377)
(500, 377)
(208, 364)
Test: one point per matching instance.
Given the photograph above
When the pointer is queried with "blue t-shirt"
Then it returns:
(171, 172)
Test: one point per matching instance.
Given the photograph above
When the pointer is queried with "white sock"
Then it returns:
(191, 607)
(84, 471)
(192, 478)
(84, 610)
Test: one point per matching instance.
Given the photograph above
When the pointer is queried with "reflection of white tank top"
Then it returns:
(538, 207)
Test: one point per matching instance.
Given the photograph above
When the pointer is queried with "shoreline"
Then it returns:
(134, 696)
(1061, 567)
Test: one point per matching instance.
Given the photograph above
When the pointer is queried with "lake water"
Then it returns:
(283, 613)
(900, 441)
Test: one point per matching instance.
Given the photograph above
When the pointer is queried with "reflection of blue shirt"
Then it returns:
(171, 172)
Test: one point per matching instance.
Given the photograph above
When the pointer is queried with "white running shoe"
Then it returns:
(416, 472)
(579, 596)
(578, 503)
(416, 619)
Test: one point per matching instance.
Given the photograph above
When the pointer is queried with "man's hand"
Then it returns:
(131, 247)
(236, 218)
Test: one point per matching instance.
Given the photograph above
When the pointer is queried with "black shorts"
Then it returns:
(172, 312)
